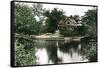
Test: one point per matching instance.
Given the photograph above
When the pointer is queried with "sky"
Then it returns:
(68, 9)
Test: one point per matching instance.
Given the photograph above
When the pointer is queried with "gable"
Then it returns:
(68, 22)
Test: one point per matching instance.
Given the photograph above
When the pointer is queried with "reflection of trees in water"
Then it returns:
(52, 47)
(89, 51)
(84, 49)
(69, 47)
(52, 52)
(40, 44)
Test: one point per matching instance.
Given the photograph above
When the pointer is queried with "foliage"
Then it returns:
(24, 20)
(88, 27)
(25, 24)
(82, 30)
(53, 18)
(89, 51)
(90, 18)
(73, 30)
(24, 52)
(78, 31)
(65, 31)
(38, 10)
(75, 17)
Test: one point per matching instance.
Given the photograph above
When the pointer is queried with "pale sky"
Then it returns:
(68, 9)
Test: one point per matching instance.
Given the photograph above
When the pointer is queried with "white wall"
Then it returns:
(5, 34)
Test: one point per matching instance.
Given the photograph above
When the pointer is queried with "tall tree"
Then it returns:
(75, 17)
(90, 19)
(24, 19)
(53, 18)
(25, 23)
(38, 10)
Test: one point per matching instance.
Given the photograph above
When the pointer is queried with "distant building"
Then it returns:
(69, 23)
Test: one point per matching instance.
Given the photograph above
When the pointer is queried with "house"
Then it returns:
(69, 23)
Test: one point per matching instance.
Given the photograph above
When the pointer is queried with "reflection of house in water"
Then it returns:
(69, 23)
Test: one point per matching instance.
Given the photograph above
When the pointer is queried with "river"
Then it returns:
(54, 52)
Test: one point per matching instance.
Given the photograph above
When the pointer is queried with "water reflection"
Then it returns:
(69, 47)
(52, 49)
(53, 52)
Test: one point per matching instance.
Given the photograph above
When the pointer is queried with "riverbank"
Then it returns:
(49, 37)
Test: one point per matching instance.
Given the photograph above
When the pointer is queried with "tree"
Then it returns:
(25, 22)
(75, 17)
(53, 18)
(90, 50)
(38, 10)
(82, 30)
(25, 25)
(90, 19)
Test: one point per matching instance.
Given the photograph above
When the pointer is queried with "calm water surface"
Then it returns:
(53, 52)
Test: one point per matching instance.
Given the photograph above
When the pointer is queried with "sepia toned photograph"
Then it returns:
(53, 33)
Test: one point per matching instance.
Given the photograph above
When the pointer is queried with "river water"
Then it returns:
(54, 52)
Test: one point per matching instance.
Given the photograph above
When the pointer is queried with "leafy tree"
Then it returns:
(25, 25)
(89, 51)
(82, 30)
(53, 18)
(38, 11)
(90, 19)
(75, 17)
(25, 22)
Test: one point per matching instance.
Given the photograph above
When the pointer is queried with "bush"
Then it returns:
(89, 51)
(24, 52)
(78, 31)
